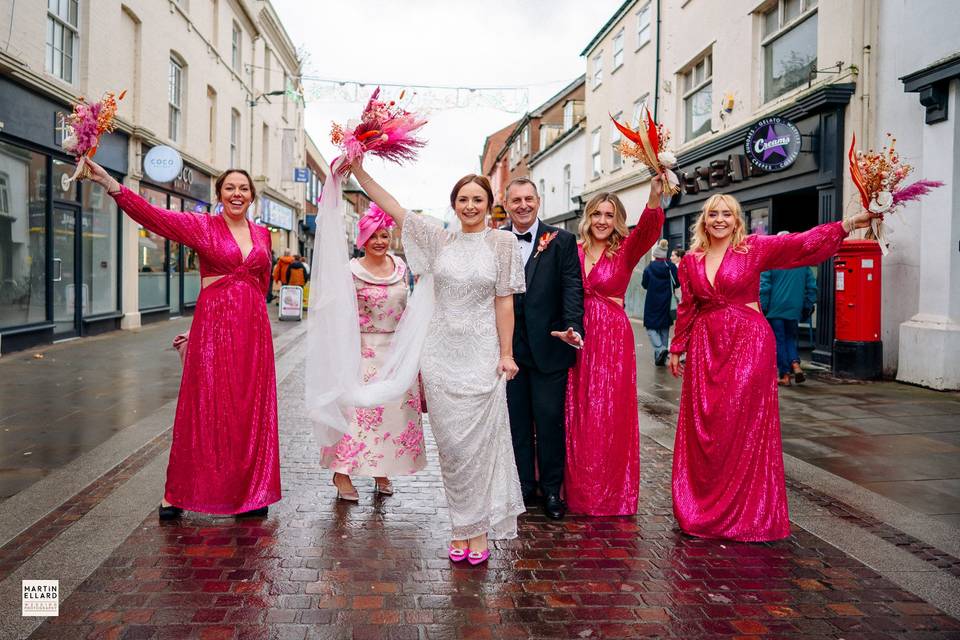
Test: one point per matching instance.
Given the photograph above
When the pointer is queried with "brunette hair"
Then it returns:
(701, 239)
(620, 230)
(223, 176)
(474, 178)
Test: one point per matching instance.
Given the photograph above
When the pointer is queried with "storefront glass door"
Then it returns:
(66, 297)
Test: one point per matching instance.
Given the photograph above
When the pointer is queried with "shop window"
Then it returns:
(618, 50)
(23, 233)
(191, 260)
(697, 84)
(615, 138)
(175, 99)
(152, 258)
(598, 70)
(62, 37)
(595, 152)
(99, 250)
(789, 44)
(643, 26)
(759, 220)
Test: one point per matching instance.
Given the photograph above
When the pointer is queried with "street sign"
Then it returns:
(301, 174)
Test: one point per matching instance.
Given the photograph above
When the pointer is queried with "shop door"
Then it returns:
(69, 296)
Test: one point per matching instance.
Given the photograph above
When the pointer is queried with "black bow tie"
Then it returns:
(526, 237)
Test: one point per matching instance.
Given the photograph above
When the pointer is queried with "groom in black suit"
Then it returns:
(547, 331)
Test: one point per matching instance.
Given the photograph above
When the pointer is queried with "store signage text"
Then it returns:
(162, 164)
(773, 143)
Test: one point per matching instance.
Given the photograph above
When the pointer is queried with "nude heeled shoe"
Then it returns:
(349, 496)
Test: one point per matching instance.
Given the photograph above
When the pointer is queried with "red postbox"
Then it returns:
(857, 349)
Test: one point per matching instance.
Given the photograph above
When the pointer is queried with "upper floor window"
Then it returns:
(567, 193)
(234, 138)
(618, 50)
(697, 84)
(568, 115)
(62, 36)
(615, 138)
(236, 48)
(638, 107)
(597, 69)
(789, 43)
(595, 152)
(643, 26)
(175, 99)
(525, 144)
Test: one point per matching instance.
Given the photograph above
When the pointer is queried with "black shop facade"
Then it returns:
(783, 184)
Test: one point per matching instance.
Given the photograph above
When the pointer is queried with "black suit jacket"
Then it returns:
(553, 302)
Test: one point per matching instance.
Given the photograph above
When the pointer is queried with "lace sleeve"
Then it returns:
(422, 241)
(510, 276)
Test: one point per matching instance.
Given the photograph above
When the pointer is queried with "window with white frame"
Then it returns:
(789, 44)
(567, 177)
(62, 37)
(568, 115)
(615, 138)
(175, 100)
(643, 26)
(236, 48)
(618, 50)
(638, 107)
(595, 152)
(525, 144)
(234, 138)
(597, 69)
(543, 193)
(4, 194)
(697, 83)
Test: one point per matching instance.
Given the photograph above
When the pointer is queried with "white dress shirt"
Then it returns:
(526, 248)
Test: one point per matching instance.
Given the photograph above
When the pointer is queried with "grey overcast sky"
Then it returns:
(534, 43)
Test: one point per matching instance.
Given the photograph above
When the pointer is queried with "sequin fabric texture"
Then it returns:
(466, 398)
(728, 460)
(602, 476)
(383, 441)
(225, 455)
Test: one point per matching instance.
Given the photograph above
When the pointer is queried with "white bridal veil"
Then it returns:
(334, 375)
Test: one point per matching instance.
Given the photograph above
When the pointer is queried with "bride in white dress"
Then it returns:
(467, 358)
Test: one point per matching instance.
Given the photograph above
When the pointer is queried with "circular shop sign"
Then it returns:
(162, 164)
(773, 144)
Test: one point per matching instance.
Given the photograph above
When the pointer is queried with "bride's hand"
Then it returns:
(508, 367)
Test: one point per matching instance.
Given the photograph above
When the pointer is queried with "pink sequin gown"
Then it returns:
(727, 459)
(225, 454)
(602, 476)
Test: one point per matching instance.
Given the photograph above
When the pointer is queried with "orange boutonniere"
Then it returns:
(544, 242)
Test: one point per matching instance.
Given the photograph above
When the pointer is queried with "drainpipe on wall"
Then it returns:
(656, 71)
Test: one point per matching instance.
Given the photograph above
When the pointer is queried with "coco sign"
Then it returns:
(773, 144)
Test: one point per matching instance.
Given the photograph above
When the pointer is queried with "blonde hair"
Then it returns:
(701, 239)
(620, 230)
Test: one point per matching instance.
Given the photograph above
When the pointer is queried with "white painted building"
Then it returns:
(915, 89)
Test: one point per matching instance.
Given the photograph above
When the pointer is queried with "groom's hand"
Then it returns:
(569, 336)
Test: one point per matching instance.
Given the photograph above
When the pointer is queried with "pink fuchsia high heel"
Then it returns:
(477, 557)
(457, 555)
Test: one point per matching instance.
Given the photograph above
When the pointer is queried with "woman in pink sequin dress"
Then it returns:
(602, 476)
(225, 455)
(728, 463)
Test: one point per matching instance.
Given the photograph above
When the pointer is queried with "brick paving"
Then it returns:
(316, 568)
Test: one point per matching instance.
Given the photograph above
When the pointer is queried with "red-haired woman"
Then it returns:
(225, 455)
(602, 476)
(727, 460)
(467, 358)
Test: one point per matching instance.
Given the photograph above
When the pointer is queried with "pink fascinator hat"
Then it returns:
(372, 221)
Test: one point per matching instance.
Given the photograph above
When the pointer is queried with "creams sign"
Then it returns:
(773, 144)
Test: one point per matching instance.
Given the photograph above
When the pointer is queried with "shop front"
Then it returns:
(60, 242)
(787, 173)
(168, 278)
(278, 217)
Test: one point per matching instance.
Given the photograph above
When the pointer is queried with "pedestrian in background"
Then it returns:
(297, 273)
(280, 269)
(660, 280)
(225, 456)
(787, 296)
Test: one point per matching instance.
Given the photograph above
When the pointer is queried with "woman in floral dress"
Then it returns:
(386, 441)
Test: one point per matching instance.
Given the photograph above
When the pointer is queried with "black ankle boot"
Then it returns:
(169, 513)
(254, 513)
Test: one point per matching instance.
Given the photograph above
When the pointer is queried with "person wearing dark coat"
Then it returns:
(787, 296)
(660, 278)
